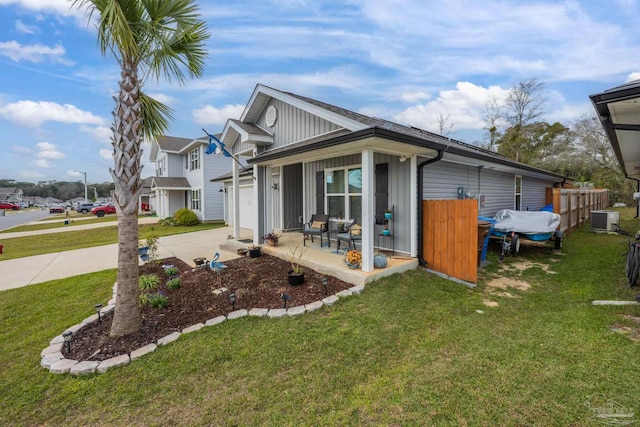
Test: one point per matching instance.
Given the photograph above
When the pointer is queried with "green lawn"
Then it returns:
(59, 223)
(410, 350)
(19, 247)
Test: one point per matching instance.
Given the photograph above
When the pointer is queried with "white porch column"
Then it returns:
(236, 200)
(368, 209)
(257, 215)
(413, 205)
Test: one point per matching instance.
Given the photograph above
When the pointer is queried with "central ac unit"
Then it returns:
(604, 220)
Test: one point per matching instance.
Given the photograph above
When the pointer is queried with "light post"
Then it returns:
(85, 185)
(95, 193)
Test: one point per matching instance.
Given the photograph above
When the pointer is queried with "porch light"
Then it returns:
(285, 298)
(232, 298)
(324, 281)
(67, 340)
(98, 307)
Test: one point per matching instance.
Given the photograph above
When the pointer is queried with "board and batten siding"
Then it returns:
(398, 194)
(175, 165)
(212, 199)
(293, 124)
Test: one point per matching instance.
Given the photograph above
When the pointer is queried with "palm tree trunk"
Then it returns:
(127, 138)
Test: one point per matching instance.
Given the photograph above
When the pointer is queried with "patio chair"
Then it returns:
(351, 236)
(317, 226)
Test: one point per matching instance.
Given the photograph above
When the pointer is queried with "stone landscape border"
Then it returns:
(53, 360)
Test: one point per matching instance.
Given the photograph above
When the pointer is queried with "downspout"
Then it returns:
(421, 166)
(637, 201)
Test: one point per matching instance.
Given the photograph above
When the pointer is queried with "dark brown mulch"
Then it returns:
(257, 283)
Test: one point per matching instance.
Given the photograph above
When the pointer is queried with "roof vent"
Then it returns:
(271, 116)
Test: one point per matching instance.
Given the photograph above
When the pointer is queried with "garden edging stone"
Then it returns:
(53, 360)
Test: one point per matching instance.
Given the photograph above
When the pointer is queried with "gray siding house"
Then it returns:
(183, 178)
(311, 157)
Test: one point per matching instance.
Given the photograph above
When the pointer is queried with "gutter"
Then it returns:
(421, 166)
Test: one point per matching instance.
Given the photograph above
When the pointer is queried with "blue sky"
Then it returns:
(402, 60)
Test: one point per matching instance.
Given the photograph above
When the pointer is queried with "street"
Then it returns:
(15, 218)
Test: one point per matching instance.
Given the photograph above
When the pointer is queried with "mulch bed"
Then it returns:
(257, 283)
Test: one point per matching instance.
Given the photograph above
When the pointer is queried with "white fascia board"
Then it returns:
(191, 145)
(338, 119)
(247, 137)
(228, 127)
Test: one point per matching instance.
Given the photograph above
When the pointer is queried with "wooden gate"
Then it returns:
(450, 237)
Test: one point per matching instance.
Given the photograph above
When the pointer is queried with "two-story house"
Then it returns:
(183, 174)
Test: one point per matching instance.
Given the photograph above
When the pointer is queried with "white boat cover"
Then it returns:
(526, 222)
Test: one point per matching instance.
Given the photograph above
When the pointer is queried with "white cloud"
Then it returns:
(101, 134)
(34, 113)
(27, 29)
(57, 7)
(415, 96)
(42, 163)
(106, 154)
(33, 52)
(22, 150)
(209, 115)
(75, 174)
(465, 107)
(633, 76)
(48, 151)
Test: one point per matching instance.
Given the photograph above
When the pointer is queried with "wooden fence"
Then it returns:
(450, 237)
(575, 205)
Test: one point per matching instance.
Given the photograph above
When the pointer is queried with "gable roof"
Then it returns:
(368, 127)
(173, 145)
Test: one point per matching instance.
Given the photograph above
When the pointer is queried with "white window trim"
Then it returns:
(194, 159)
(516, 194)
(198, 194)
(345, 194)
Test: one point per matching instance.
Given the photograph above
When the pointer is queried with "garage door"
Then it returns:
(246, 206)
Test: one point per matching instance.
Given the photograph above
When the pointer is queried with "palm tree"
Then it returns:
(150, 39)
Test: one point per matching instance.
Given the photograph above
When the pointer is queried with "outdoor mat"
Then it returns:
(246, 240)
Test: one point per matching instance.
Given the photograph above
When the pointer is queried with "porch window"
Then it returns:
(343, 192)
(195, 200)
(518, 193)
(195, 158)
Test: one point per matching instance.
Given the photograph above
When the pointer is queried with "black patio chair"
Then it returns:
(317, 226)
(352, 235)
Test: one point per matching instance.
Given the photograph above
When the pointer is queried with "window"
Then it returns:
(343, 192)
(195, 200)
(195, 159)
(518, 193)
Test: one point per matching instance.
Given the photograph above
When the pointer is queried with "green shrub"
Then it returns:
(186, 216)
(157, 300)
(170, 271)
(173, 284)
(148, 282)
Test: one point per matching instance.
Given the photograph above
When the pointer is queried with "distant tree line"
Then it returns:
(62, 190)
(579, 150)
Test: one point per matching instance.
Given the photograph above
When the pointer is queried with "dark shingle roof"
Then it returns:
(172, 143)
(166, 182)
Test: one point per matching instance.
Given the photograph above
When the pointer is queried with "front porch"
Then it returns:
(325, 260)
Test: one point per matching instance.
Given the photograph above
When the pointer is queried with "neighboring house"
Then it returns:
(246, 198)
(183, 178)
(310, 157)
(144, 203)
(11, 194)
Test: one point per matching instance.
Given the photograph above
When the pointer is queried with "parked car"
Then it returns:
(7, 205)
(56, 209)
(84, 207)
(101, 211)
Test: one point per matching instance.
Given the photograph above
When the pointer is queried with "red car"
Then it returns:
(56, 209)
(101, 211)
(7, 205)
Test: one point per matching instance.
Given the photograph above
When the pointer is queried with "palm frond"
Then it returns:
(155, 116)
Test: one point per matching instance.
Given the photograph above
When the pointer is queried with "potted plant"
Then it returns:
(296, 274)
(353, 258)
(271, 239)
(388, 214)
(340, 227)
(386, 231)
(254, 251)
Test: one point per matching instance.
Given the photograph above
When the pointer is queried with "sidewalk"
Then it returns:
(20, 272)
